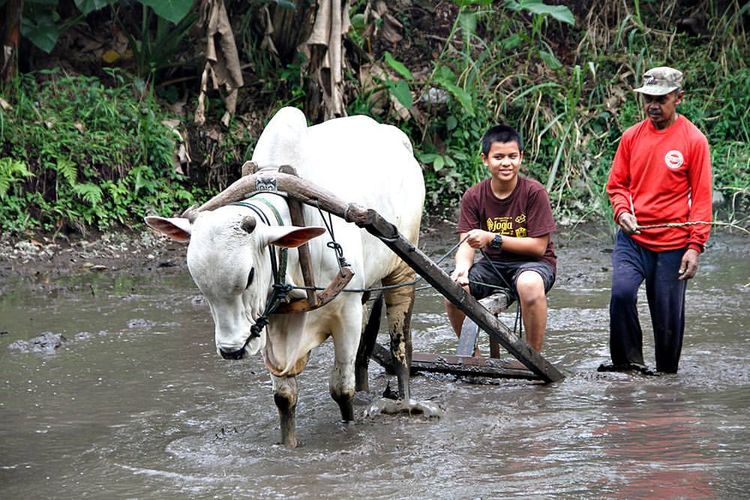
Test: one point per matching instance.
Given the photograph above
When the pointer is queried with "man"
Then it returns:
(661, 174)
(509, 218)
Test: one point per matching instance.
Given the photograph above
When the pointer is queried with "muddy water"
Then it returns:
(137, 404)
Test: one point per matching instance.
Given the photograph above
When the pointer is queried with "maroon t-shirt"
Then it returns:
(525, 213)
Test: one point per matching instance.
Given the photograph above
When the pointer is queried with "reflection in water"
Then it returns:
(659, 445)
(137, 404)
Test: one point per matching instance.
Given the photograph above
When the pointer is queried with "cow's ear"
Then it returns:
(292, 237)
(176, 228)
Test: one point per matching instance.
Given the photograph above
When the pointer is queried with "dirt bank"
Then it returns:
(583, 251)
(113, 252)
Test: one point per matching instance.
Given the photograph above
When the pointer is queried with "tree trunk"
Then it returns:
(11, 40)
(317, 29)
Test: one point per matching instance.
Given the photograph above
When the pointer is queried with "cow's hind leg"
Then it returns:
(367, 344)
(285, 396)
(399, 304)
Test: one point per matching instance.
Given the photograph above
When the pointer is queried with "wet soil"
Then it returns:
(583, 251)
(135, 402)
(128, 251)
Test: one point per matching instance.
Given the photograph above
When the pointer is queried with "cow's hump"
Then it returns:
(282, 140)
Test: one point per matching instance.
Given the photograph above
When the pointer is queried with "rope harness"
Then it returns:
(280, 289)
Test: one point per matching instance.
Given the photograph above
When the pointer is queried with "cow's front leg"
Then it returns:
(285, 396)
(346, 334)
(399, 303)
(342, 389)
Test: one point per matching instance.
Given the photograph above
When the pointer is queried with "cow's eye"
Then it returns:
(250, 277)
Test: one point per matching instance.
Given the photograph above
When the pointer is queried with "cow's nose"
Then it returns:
(238, 354)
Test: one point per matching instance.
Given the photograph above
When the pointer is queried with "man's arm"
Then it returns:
(618, 186)
(628, 223)
(689, 264)
(701, 194)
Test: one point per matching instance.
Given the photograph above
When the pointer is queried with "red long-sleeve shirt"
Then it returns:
(664, 176)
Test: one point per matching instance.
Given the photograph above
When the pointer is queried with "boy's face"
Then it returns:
(503, 160)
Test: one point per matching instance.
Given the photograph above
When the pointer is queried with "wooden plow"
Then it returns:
(273, 180)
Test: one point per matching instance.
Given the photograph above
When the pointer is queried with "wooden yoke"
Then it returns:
(314, 300)
(298, 219)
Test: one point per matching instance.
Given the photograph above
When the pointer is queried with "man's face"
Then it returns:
(662, 109)
(503, 160)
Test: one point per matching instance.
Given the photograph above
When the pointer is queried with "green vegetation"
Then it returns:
(504, 65)
(85, 152)
(76, 153)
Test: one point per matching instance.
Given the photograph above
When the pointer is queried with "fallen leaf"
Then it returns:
(110, 56)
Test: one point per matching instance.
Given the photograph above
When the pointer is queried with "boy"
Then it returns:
(508, 218)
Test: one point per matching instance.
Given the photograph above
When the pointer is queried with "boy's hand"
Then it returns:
(479, 239)
(461, 276)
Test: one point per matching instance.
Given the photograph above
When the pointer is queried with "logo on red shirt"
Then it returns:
(674, 159)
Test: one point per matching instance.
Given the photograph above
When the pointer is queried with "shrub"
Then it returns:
(76, 154)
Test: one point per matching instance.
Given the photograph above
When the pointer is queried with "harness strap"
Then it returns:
(280, 289)
(278, 269)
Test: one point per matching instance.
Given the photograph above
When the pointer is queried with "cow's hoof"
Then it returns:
(291, 445)
(411, 407)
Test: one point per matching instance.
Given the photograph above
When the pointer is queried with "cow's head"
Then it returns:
(229, 259)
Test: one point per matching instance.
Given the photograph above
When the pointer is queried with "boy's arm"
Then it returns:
(464, 260)
(477, 238)
(534, 247)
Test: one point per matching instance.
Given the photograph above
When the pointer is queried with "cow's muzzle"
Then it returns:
(238, 354)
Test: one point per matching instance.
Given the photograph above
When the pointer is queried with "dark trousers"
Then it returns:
(631, 265)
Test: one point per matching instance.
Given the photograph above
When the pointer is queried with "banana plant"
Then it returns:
(42, 25)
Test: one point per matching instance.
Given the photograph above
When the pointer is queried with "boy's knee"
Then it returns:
(530, 285)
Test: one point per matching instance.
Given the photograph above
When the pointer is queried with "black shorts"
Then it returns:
(485, 272)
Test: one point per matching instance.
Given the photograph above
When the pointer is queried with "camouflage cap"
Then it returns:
(660, 81)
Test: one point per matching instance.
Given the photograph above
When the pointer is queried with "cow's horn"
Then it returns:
(190, 214)
(248, 224)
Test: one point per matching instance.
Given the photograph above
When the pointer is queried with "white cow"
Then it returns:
(359, 161)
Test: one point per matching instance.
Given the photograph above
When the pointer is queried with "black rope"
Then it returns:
(333, 244)
(279, 291)
(498, 272)
(517, 323)
(391, 287)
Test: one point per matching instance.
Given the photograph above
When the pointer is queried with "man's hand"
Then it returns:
(479, 239)
(628, 223)
(689, 264)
